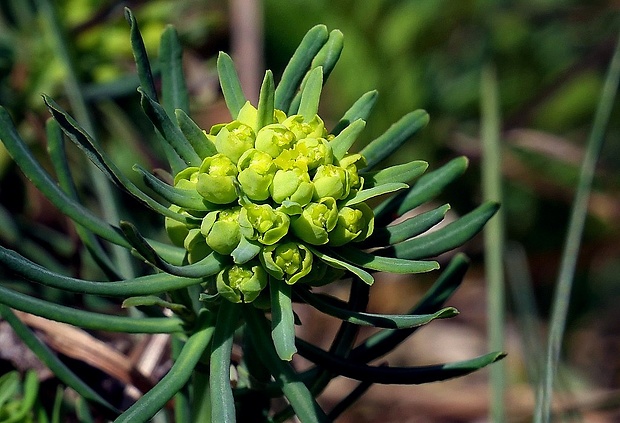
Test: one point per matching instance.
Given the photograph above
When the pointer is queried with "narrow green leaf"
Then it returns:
(266, 101)
(139, 52)
(195, 135)
(405, 173)
(185, 198)
(155, 399)
(425, 189)
(87, 319)
(299, 63)
(349, 400)
(327, 57)
(375, 191)
(222, 401)
(51, 360)
(9, 384)
(41, 179)
(96, 155)
(143, 285)
(386, 340)
(229, 81)
(152, 300)
(331, 306)
(395, 375)
(168, 130)
(146, 250)
(393, 234)
(359, 110)
(345, 139)
(311, 94)
(394, 137)
(360, 273)
(296, 392)
(447, 238)
(384, 264)
(282, 319)
(173, 90)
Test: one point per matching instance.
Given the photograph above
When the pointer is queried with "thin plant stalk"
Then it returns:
(493, 235)
(572, 243)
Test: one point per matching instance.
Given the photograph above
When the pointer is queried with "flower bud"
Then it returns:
(256, 171)
(292, 185)
(177, 231)
(187, 178)
(313, 152)
(351, 163)
(241, 283)
(331, 181)
(273, 139)
(302, 129)
(289, 261)
(316, 220)
(234, 139)
(196, 246)
(216, 180)
(221, 230)
(263, 223)
(355, 223)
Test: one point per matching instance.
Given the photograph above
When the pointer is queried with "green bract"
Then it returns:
(241, 283)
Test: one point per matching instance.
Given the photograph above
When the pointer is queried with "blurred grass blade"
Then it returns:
(311, 95)
(182, 369)
(299, 63)
(333, 307)
(142, 285)
(87, 319)
(266, 101)
(394, 137)
(360, 273)
(173, 89)
(416, 225)
(229, 81)
(394, 375)
(297, 393)
(493, 236)
(576, 224)
(345, 139)
(222, 401)
(56, 150)
(425, 189)
(359, 110)
(142, 246)
(327, 57)
(282, 319)
(405, 173)
(42, 180)
(447, 238)
(386, 340)
(169, 131)
(185, 198)
(96, 155)
(384, 264)
(194, 134)
(139, 52)
(367, 194)
(60, 370)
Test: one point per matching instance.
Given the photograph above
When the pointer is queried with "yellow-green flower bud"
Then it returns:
(263, 223)
(314, 152)
(234, 139)
(351, 164)
(187, 178)
(221, 230)
(273, 139)
(355, 223)
(241, 283)
(316, 221)
(216, 179)
(289, 261)
(331, 181)
(196, 246)
(292, 185)
(315, 128)
(290, 159)
(256, 171)
(177, 231)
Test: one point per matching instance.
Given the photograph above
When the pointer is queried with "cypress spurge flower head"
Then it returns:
(242, 282)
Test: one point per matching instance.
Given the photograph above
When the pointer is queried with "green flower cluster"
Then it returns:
(270, 195)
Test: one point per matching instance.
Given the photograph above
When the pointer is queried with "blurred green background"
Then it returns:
(550, 57)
